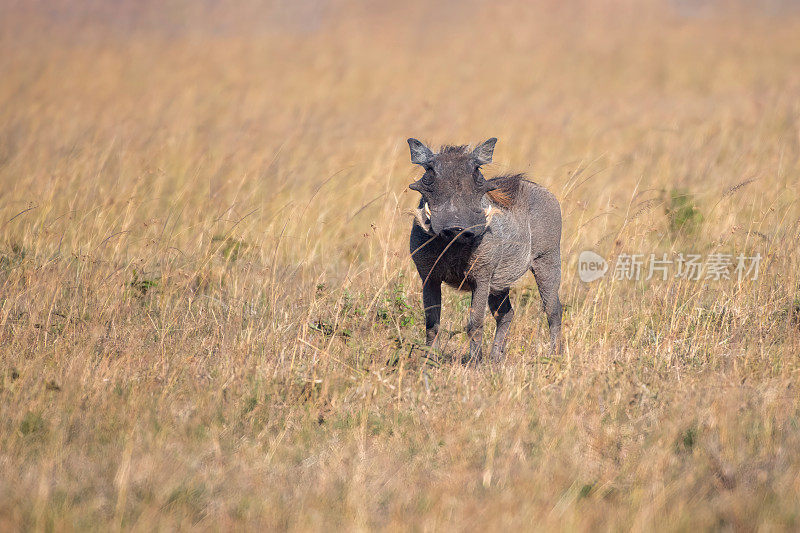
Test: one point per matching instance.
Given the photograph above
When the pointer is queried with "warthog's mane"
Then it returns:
(506, 194)
(453, 150)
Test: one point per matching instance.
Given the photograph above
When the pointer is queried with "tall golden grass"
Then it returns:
(208, 314)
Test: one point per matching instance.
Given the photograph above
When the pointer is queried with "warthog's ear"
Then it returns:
(420, 154)
(483, 153)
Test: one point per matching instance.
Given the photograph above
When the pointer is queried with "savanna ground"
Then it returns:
(208, 314)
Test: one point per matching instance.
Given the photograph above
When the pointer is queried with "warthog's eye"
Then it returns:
(425, 183)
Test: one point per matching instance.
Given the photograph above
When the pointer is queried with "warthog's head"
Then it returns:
(452, 188)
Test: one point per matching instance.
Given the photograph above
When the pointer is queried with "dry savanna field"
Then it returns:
(209, 318)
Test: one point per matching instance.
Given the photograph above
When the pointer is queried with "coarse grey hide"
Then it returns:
(481, 236)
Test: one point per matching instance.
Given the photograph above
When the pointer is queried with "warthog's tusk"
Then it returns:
(423, 220)
(488, 212)
(427, 210)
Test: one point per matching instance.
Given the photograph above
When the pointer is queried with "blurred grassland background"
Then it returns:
(208, 314)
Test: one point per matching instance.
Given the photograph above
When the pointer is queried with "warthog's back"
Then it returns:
(521, 230)
(540, 209)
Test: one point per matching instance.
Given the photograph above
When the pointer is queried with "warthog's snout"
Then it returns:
(458, 233)
(462, 229)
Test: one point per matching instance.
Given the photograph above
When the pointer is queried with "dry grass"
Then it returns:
(208, 313)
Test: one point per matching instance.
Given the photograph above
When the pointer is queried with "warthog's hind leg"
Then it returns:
(547, 271)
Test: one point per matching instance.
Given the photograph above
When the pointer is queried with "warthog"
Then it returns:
(482, 235)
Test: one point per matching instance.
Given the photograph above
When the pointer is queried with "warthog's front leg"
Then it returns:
(500, 306)
(432, 301)
(480, 297)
